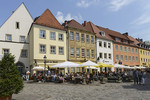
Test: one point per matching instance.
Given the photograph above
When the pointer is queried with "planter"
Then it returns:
(6, 98)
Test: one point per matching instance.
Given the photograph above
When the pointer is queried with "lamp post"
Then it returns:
(44, 67)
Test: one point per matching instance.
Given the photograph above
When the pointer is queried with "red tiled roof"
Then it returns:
(48, 19)
(74, 24)
(113, 33)
(133, 39)
(92, 28)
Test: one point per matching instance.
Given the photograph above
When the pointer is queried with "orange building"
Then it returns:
(124, 49)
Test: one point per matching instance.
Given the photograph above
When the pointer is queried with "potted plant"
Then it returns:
(10, 80)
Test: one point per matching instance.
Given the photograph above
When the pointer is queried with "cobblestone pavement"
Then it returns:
(95, 91)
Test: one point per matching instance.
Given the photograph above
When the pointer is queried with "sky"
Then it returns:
(132, 16)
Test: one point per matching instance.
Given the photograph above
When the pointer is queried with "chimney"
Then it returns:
(85, 23)
(125, 33)
(66, 22)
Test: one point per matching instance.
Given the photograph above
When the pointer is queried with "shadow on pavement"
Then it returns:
(145, 87)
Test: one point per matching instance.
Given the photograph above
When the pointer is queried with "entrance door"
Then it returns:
(21, 67)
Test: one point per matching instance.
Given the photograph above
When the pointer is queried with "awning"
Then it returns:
(104, 65)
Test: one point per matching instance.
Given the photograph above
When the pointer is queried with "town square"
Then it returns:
(75, 50)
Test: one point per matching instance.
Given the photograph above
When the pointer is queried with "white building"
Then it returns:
(104, 46)
(14, 37)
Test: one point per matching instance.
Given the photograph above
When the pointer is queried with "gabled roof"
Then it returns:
(113, 33)
(133, 39)
(22, 4)
(92, 28)
(48, 19)
(74, 24)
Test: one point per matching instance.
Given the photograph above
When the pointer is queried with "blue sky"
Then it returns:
(132, 16)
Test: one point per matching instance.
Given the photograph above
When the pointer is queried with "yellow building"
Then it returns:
(144, 57)
(81, 44)
(47, 37)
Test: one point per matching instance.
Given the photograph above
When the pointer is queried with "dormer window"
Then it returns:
(17, 25)
(125, 41)
(102, 33)
(117, 39)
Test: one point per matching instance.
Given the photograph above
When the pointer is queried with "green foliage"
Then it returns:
(10, 80)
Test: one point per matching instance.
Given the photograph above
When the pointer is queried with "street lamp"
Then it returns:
(44, 67)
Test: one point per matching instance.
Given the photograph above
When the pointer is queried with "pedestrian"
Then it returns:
(140, 77)
(27, 75)
(143, 77)
(135, 75)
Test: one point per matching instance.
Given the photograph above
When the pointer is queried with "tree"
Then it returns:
(10, 80)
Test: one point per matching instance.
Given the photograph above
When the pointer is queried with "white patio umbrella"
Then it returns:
(119, 66)
(39, 68)
(66, 64)
(90, 67)
(88, 63)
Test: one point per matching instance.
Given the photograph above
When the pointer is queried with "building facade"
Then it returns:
(104, 46)
(47, 38)
(125, 52)
(80, 43)
(14, 37)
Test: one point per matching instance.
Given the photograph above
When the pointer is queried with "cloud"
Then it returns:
(61, 18)
(86, 3)
(116, 5)
(143, 19)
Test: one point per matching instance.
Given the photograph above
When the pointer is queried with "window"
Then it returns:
(72, 70)
(72, 52)
(92, 39)
(42, 48)
(116, 47)
(120, 48)
(92, 53)
(78, 52)
(71, 36)
(136, 51)
(78, 69)
(129, 50)
(105, 55)
(87, 38)
(117, 57)
(52, 35)
(109, 45)
(125, 49)
(132, 50)
(22, 38)
(42, 34)
(117, 39)
(83, 52)
(121, 57)
(82, 37)
(5, 51)
(125, 41)
(141, 51)
(53, 49)
(17, 25)
(125, 58)
(100, 55)
(77, 36)
(109, 56)
(129, 58)
(23, 53)
(100, 43)
(102, 33)
(8, 37)
(88, 53)
(133, 58)
(141, 59)
(61, 50)
(105, 45)
(60, 37)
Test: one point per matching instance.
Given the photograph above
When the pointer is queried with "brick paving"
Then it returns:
(95, 91)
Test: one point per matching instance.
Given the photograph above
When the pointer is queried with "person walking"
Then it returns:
(135, 75)
(143, 77)
(140, 77)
